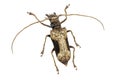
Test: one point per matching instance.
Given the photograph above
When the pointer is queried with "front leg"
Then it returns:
(44, 45)
(74, 38)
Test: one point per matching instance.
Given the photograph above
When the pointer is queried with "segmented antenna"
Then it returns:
(49, 26)
(23, 30)
(84, 16)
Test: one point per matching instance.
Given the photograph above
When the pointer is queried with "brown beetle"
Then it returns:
(58, 36)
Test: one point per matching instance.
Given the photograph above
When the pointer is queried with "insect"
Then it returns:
(58, 36)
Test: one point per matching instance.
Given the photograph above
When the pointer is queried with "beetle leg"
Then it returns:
(74, 38)
(73, 57)
(54, 61)
(44, 45)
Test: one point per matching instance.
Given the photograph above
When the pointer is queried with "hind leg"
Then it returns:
(54, 60)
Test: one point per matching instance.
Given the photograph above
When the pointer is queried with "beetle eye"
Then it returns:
(47, 15)
(54, 13)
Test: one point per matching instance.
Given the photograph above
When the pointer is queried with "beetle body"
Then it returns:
(61, 45)
(58, 36)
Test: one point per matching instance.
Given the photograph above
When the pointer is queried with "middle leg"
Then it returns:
(73, 57)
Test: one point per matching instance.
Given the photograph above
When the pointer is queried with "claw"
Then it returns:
(42, 53)
(67, 6)
(75, 67)
(78, 45)
(30, 13)
(57, 71)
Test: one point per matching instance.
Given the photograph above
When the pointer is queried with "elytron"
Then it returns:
(58, 36)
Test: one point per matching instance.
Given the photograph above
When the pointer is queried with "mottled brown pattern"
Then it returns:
(60, 36)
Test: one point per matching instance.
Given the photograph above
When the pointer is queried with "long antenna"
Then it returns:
(84, 16)
(23, 30)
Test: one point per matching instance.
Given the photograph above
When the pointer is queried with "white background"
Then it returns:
(97, 59)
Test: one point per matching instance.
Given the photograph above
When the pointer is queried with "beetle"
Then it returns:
(58, 36)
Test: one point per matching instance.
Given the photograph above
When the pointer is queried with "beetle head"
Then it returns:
(54, 20)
